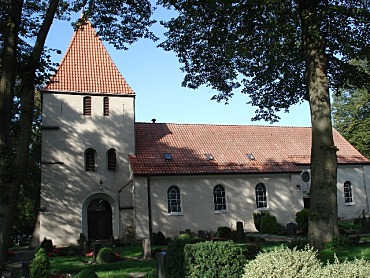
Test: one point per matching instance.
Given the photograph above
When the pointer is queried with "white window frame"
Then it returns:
(223, 203)
(348, 189)
(257, 196)
(177, 198)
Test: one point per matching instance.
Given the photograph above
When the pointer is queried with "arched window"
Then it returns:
(219, 198)
(112, 159)
(106, 106)
(347, 188)
(261, 200)
(90, 155)
(87, 106)
(174, 200)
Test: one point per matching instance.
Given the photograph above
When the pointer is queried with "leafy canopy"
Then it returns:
(256, 45)
(351, 112)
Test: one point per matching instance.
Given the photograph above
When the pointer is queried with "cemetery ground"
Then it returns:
(130, 257)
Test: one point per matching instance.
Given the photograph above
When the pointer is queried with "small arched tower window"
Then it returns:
(106, 106)
(174, 200)
(261, 200)
(219, 198)
(90, 158)
(112, 159)
(87, 106)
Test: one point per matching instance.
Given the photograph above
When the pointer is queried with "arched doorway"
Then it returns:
(99, 219)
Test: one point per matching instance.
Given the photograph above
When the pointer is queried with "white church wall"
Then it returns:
(197, 202)
(141, 208)
(358, 176)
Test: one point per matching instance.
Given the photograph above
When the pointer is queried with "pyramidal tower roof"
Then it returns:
(87, 67)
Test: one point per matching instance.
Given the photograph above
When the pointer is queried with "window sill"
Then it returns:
(221, 211)
(263, 209)
(176, 213)
(349, 204)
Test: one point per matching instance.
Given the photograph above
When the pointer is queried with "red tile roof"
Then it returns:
(87, 67)
(276, 149)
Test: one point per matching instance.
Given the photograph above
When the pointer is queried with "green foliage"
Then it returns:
(151, 274)
(257, 219)
(251, 251)
(223, 232)
(289, 263)
(356, 268)
(269, 224)
(342, 242)
(225, 34)
(298, 244)
(283, 263)
(87, 273)
(351, 114)
(40, 265)
(106, 255)
(214, 259)
(175, 260)
(301, 218)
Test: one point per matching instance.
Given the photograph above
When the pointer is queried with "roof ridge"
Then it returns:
(232, 125)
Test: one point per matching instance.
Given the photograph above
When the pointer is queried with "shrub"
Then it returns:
(223, 232)
(87, 273)
(301, 218)
(40, 265)
(106, 255)
(341, 242)
(287, 263)
(214, 259)
(251, 251)
(298, 244)
(283, 263)
(269, 224)
(257, 220)
(174, 261)
(356, 268)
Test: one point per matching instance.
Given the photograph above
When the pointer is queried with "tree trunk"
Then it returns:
(7, 82)
(25, 126)
(323, 223)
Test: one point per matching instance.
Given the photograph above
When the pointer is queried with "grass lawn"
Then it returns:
(132, 260)
(349, 253)
(131, 263)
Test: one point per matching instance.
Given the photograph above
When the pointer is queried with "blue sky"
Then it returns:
(155, 76)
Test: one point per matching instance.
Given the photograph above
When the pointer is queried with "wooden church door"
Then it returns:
(99, 217)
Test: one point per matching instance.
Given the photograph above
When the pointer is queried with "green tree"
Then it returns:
(280, 53)
(24, 64)
(351, 113)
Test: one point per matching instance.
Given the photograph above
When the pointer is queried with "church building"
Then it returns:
(106, 175)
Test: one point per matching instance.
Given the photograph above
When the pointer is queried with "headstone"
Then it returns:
(159, 257)
(291, 229)
(147, 249)
(202, 235)
(25, 269)
(95, 251)
(239, 232)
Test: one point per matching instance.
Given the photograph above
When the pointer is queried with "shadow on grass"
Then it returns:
(130, 262)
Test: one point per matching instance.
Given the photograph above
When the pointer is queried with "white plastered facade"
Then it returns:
(140, 202)
(285, 194)
(67, 189)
